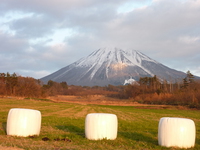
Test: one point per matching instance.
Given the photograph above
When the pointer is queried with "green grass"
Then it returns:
(137, 128)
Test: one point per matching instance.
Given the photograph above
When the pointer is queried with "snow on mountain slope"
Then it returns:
(112, 66)
(115, 58)
(116, 55)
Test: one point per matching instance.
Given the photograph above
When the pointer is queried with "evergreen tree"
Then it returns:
(190, 77)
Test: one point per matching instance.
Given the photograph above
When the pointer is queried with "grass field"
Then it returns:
(137, 126)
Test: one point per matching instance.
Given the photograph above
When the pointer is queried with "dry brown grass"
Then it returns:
(9, 148)
(103, 100)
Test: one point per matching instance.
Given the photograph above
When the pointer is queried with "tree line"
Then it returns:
(13, 85)
(150, 90)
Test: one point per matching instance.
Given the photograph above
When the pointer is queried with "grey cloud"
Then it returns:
(10, 44)
(32, 26)
(167, 31)
(154, 30)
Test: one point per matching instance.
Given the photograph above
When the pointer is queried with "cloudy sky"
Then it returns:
(38, 37)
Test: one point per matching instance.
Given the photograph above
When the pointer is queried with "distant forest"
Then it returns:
(148, 90)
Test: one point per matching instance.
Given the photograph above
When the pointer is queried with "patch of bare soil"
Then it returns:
(103, 100)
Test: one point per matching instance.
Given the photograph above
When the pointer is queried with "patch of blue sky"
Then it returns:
(131, 5)
(59, 36)
(9, 17)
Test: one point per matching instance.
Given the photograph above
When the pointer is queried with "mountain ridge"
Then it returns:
(112, 66)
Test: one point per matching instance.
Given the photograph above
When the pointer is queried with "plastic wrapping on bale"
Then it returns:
(23, 122)
(101, 126)
(176, 132)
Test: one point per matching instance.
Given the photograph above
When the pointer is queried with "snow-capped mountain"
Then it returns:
(113, 66)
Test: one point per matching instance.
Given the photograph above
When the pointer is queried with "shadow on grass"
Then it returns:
(72, 129)
(197, 141)
(138, 137)
(4, 126)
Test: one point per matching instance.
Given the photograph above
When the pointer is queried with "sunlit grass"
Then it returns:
(63, 126)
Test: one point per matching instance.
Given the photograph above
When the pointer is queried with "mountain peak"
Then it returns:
(115, 55)
(111, 65)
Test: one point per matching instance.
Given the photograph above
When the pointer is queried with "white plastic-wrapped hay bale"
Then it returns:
(176, 132)
(101, 126)
(23, 122)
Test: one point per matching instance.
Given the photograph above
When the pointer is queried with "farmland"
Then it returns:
(63, 124)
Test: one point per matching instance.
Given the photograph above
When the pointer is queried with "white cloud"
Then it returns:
(189, 39)
(48, 35)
